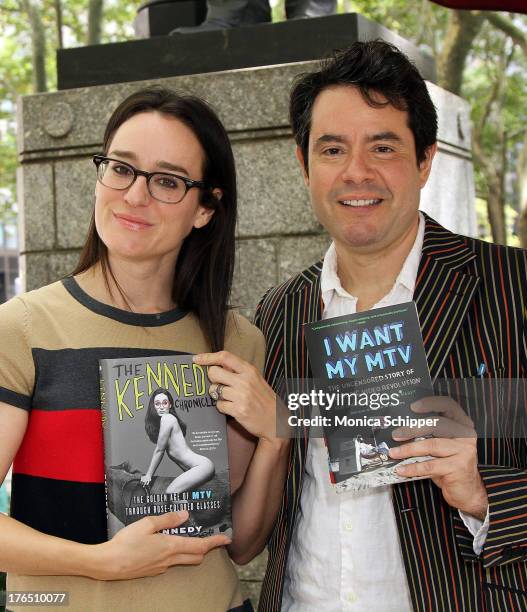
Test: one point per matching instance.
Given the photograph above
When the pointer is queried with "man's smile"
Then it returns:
(361, 203)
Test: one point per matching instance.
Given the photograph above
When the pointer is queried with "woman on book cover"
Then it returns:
(154, 277)
(167, 431)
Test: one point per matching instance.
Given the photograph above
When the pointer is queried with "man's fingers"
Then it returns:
(443, 405)
(432, 468)
(444, 428)
(436, 447)
(221, 358)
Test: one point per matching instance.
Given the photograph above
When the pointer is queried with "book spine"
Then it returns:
(103, 376)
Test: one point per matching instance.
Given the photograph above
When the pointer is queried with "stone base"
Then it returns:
(244, 47)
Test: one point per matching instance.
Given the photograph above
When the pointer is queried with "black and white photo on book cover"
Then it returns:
(369, 367)
(165, 444)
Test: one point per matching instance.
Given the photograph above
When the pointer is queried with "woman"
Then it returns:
(164, 218)
(166, 430)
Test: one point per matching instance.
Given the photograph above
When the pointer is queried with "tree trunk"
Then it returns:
(38, 45)
(58, 21)
(94, 22)
(522, 190)
(495, 209)
(462, 29)
(508, 27)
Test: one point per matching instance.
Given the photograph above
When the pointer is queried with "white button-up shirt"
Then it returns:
(345, 553)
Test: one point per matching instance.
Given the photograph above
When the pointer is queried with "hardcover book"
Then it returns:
(165, 444)
(369, 368)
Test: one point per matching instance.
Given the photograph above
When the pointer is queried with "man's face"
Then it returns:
(363, 174)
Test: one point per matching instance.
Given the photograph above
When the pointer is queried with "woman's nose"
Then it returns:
(137, 194)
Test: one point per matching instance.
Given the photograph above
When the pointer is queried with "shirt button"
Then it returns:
(348, 526)
(351, 597)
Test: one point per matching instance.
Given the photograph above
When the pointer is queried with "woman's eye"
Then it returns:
(167, 182)
(121, 169)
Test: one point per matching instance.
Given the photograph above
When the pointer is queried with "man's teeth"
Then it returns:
(359, 202)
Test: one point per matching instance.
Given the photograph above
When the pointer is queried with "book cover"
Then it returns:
(165, 444)
(369, 368)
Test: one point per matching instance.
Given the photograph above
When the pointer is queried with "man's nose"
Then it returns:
(357, 168)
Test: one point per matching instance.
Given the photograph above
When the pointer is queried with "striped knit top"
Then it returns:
(52, 339)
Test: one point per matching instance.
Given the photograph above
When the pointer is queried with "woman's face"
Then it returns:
(161, 404)
(131, 223)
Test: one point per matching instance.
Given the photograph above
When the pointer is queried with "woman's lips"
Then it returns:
(132, 223)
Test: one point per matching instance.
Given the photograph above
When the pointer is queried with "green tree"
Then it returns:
(30, 33)
(482, 56)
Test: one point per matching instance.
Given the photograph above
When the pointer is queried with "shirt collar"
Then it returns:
(330, 281)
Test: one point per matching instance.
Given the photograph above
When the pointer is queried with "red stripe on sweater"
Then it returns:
(64, 445)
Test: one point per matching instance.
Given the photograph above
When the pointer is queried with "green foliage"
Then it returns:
(16, 68)
(505, 119)
(420, 21)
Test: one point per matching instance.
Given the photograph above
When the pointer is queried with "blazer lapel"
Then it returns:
(443, 292)
(302, 305)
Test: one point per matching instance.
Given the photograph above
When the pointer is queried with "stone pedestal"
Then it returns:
(266, 44)
(277, 232)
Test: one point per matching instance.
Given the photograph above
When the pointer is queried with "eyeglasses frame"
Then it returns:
(189, 183)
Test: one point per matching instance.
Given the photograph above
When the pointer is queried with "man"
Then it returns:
(365, 129)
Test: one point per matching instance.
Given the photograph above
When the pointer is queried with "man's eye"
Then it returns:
(331, 151)
(383, 149)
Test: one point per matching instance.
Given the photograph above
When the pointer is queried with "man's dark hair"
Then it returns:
(374, 67)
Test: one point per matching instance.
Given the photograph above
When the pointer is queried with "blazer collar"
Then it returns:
(443, 293)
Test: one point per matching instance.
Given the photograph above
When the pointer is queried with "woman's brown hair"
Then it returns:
(204, 269)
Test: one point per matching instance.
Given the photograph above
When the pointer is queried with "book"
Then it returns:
(165, 444)
(372, 366)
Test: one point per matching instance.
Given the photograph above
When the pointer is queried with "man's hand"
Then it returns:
(245, 395)
(454, 468)
(139, 550)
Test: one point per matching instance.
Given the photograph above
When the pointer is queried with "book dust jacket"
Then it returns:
(165, 444)
(370, 367)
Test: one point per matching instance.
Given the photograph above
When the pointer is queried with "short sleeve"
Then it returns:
(245, 340)
(17, 370)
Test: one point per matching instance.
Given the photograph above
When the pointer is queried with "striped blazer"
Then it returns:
(472, 298)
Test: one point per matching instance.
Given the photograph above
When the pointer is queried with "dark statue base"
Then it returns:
(244, 47)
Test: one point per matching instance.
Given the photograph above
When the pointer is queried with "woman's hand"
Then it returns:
(146, 479)
(139, 550)
(244, 395)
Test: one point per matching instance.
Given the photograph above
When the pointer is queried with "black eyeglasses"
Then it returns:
(163, 186)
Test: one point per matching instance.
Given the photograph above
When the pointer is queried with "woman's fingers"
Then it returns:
(219, 375)
(244, 393)
(141, 550)
(221, 358)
